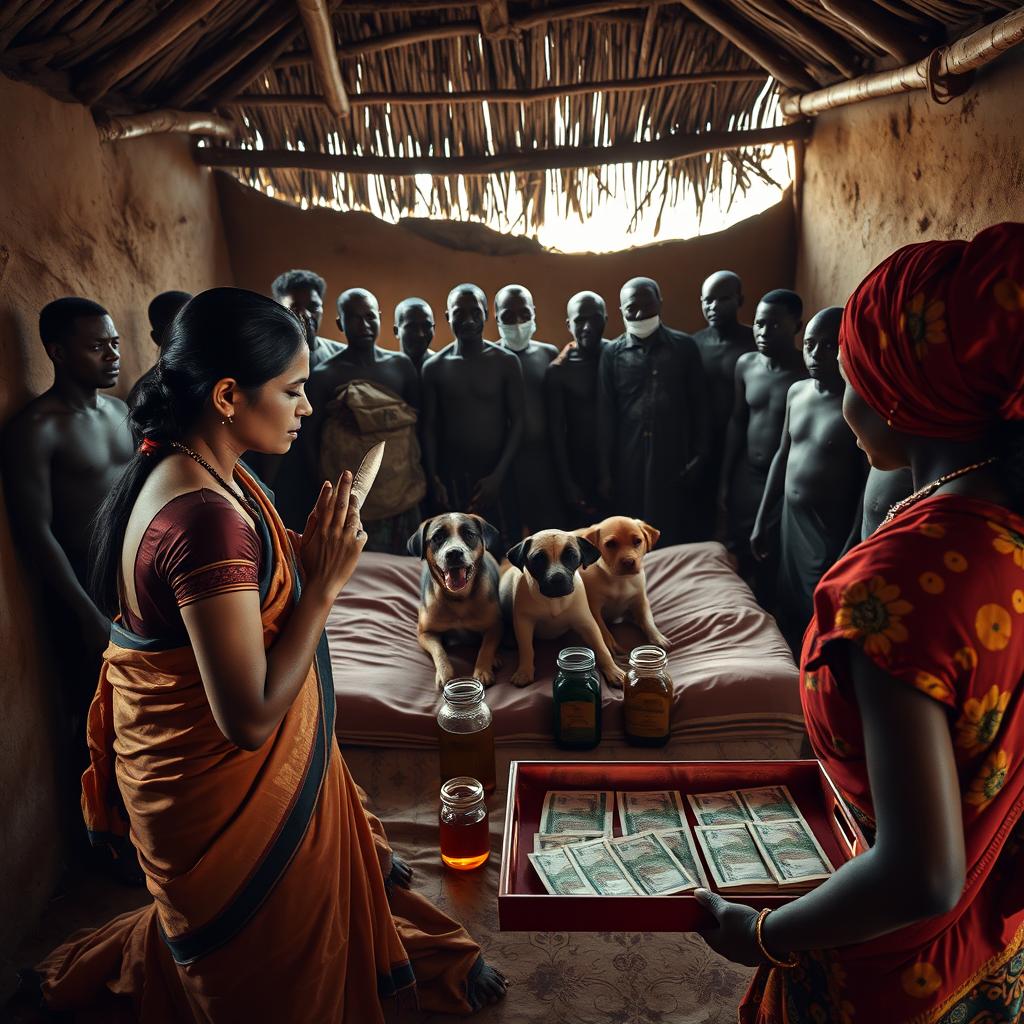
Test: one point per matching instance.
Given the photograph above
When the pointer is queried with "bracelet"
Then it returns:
(758, 934)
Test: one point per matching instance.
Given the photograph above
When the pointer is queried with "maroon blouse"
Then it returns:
(197, 546)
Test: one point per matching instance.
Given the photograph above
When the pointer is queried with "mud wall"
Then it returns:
(426, 259)
(884, 173)
(115, 223)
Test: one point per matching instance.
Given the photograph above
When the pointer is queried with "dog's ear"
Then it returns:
(490, 535)
(518, 555)
(588, 553)
(651, 535)
(590, 533)
(414, 545)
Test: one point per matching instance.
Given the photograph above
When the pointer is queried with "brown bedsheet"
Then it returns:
(733, 673)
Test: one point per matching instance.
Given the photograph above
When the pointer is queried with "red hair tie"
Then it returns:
(148, 446)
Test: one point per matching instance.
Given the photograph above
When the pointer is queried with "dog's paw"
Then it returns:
(484, 675)
(443, 675)
(522, 677)
(615, 677)
(660, 640)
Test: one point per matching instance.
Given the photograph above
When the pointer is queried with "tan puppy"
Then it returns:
(616, 585)
(458, 591)
(542, 595)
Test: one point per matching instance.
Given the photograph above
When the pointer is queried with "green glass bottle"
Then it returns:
(576, 696)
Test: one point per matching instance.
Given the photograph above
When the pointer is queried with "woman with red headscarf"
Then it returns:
(911, 670)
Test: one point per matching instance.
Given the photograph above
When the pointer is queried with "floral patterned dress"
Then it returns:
(936, 599)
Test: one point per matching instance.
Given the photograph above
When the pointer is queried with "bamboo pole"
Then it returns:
(114, 129)
(778, 64)
(320, 34)
(967, 54)
(411, 37)
(829, 45)
(162, 31)
(672, 148)
(878, 27)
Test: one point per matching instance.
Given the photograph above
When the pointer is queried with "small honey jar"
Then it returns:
(465, 833)
(647, 698)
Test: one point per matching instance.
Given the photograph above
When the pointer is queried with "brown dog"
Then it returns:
(542, 595)
(458, 590)
(615, 583)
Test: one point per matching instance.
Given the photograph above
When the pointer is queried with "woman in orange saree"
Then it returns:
(212, 729)
(912, 669)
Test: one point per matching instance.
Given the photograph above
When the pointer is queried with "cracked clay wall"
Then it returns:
(887, 172)
(116, 223)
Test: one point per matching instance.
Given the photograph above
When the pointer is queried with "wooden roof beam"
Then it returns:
(162, 31)
(777, 63)
(830, 46)
(878, 27)
(317, 22)
(152, 122)
(494, 21)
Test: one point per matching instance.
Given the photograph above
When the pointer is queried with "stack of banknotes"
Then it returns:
(754, 842)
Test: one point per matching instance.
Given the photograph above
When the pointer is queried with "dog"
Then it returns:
(615, 583)
(458, 591)
(542, 594)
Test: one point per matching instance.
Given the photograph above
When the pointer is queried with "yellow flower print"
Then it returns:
(883, 340)
(1008, 542)
(934, 686)
(840, 746)
(955, 562)
(980, 721)
(932, 583)
(1018, 601)
(967, 658)
(990, 780)
(993, 626)
(1009, 295)
(811, 680)
(872, 612)
(924, 323)
(933, 530)
(921, 980)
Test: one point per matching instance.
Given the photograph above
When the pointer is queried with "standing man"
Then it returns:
(414, 329)
(473, 418)
(571, 391)
(537, 491)
(303, 291)
(654, 416)
(162, 311)
(721, 344)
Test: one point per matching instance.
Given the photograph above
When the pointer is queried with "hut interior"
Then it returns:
(187, 144)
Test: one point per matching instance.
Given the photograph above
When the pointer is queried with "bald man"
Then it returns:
(473, 418)
(537, 491)
(414, 329)
(654, 416)
(570, 386)
(721, 343)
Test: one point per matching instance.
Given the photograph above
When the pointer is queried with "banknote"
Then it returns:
(724, 808)
(734, 857)
(604, 873)
(656, 811)
(792, 851)
(578, 810)
(680, 843)
(770, 803)
(559, 874)
(649, 864)
(545, 842)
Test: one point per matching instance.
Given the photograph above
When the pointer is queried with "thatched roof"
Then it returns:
(534, 71)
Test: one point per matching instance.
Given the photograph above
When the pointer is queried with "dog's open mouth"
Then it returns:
(457, 578)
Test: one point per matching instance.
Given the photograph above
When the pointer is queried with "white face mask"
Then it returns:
(517, 336)
(642, 328)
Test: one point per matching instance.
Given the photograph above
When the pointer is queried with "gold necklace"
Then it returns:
(930, 489)
(243, 499)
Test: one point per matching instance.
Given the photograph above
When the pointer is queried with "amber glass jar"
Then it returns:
(647, 698)
(466, 733)
(465, 836)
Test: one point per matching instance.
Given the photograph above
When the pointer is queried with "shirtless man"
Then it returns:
(570, 386)
(763, 380)
(302, 291)
(414, 329)
(363, 359)
(883, 489)
(537, 491)
(162, 311)
(818, 475)
(721, 344)
(473, 418)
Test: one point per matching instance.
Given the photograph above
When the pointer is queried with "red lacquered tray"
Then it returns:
(523, 905)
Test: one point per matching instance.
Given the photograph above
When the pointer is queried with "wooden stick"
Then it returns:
(579, 10)
(671, 148)
(832, 47)
(113, 129)
(494, 21)
(256, 65)
(359, 48)
(317, 23)
(779, 65)
(878, 27)
(160, 32)
(647, 40)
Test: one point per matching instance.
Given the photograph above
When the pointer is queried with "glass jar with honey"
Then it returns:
(465, 835)
(576, 698)
(466, 733)
(647, 697)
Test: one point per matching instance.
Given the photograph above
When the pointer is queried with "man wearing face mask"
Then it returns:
(537, 491)
(654, 416)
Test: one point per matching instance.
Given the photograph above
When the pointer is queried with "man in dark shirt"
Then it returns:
(654, 416)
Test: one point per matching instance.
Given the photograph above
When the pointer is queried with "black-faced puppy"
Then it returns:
(458, 590)
(616, 584)
(542, 594)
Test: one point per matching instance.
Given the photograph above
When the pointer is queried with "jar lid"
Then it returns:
(647, 656)
(576, 659)
(462, 791)
(464, 692)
